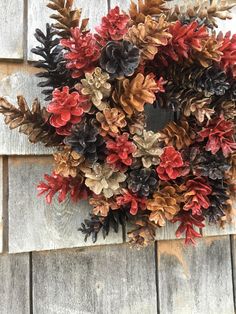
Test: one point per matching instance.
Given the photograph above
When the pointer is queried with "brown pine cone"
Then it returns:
(148, 36)
(198, 107)
(178, 135)
(148, 148)
(101, 205)
(67, 162)
(228, 108)
(165, 204)
(138, 12)
(144, 234)
(111, 121)
(133, 95)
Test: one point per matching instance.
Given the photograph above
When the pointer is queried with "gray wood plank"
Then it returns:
(196, 279)
(1, 204)
(11, 29)
(11, 85)
(34, 225)
(233, 248)
(14, 287)
(38, 16)
(108, 279)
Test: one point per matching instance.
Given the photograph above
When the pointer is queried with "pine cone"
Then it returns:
(136, 123)
(178, 135)
(103, 179)
(202, 11)
(219, 134)
(207, 165)
(171, 165)
(148, 36)
(86, 141)
(148, 147)
(131, 202)
(113, 27)
(67, 162)
(171, 99)
(55, 72)
(97, 87)
(198, 106)
(142, 182)
(232, 91)
(196, 197)
(83, 54)
(119, 58)
(101, 205)
(32, 122)
(144, 233)
(219, 200)
(133, 95)
(67, 109)
(112, 120)
(138, 12)
(67, 17)
(228, 58)
(164, 204)
(228, 109)
(210, 81)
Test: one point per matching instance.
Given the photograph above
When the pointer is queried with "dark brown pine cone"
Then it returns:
(219, 200)
(142, 182)
(119, 59)
(86, 140)
(207, 165)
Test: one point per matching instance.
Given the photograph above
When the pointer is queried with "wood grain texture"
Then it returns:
(38, 16)
(233, 265)
(196, 279)
(12, 142)
(1, 204)
(108, 279)
(14, 287)
(11, 29)
(34, 225)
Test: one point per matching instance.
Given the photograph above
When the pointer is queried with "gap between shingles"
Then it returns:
(5, 192)
(233, 262)
(157, 277)
(25, 31)
(31, 304)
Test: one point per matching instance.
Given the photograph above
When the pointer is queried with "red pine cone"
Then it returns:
(120, 151)
(67, 109)
(135, 203)
(187, 222)
(228, 48)
(58, 184)
(84, 52)
(220, 134)
(196, 195)
(171, 165)
(184, 38)
(114, 26)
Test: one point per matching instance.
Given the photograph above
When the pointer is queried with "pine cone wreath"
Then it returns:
(148, 148)
(148, 36)
(96, 86)
(119, 59)
(86, 140)
(164, 204)
(142, 182)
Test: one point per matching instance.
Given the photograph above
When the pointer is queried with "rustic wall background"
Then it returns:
(166, 278)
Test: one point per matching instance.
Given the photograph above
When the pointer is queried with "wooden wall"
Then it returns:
(79, 277)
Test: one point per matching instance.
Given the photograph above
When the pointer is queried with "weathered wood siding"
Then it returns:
(165, 278)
